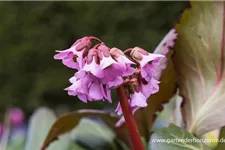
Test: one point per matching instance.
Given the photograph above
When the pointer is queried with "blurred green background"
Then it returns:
(30, 32)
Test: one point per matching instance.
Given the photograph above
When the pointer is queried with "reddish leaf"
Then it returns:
(68, 121)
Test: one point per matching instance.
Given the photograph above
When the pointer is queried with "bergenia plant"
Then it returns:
(100, 69)
(189, 78)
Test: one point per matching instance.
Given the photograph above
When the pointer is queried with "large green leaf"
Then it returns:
(39, 125)
(94, 135)
(175, 138)
(68, 121)
(199, 64)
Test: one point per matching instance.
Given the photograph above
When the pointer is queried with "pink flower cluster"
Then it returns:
(101, 69)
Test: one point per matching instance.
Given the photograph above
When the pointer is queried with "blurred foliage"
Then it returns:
(30, 32)
(86, 134)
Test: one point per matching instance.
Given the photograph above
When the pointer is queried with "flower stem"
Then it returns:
(96, 39)
(129, 119)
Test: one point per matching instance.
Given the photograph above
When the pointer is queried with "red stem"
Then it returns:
(129, 119)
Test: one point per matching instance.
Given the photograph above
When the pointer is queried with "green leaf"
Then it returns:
(175, 138)
(39, 125)
(68, 121)
(171, 113)
(17, 142)
(199, 64)
(221, 144)
(94, 135)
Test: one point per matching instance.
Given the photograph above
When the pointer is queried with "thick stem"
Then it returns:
(129, 119)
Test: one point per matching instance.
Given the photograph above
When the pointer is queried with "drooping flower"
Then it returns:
(150, 87)
(79, 87)
(87, 87)
(92, 64)
(104, 55)
(138, 99)
(148, 62)
(120, 57)
(73, 57)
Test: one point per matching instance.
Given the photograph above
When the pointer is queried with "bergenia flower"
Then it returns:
(101, 69)
(138, 99)
(72, 57)
(148, 62)
(126, 63)
(79, 87)
(92, 64)
(112, 70)
(150, 87)
(87, 87)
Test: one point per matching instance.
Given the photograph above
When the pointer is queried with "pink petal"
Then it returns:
(150, 88)
(154, 85)
(129, 71)
(61, 55)
(82, 97)
(73, 79)
(124, 60)
(148, 58)
(107, 94)
(117, 82)
(106, 61)
(95, 91)
(138, 99)
(70, 63)
(94, 69)
(119, 109)
(80, 74)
